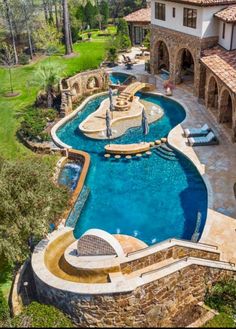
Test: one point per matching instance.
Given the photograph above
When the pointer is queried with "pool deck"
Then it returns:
(215, 163)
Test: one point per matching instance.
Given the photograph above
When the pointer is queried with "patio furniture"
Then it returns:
(194, 132)
(129, 65)
(210, 139)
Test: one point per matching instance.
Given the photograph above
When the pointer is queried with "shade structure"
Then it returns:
(108, 125)
(145, 125)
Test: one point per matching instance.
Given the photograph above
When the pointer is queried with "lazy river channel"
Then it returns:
(152, 197)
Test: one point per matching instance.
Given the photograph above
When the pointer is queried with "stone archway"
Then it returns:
(212, 95)
(226, 108)
(162, 57)
(185, 67)
(75, 88)
(92, 83)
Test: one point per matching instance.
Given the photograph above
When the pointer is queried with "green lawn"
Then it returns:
(89, 56)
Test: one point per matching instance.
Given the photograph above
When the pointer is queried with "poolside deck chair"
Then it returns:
(209, 139)
(194, 132)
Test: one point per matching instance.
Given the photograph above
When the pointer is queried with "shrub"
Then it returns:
(34, 123)
(123, 35)
(23, 59)
(42, 316)
(222, 297)
(146, 41)
(112, 54)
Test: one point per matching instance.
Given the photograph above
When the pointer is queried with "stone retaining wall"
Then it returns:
(82, 84)
(175, 252)
(158, 303)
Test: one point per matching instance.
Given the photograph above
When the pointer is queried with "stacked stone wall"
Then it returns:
(175, 252)
(156, 304)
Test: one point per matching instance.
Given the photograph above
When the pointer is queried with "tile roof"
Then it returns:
(228, 14)
(205, 3)
(142, 15)
(223, 64)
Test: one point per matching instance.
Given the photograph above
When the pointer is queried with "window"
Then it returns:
(223, 31)
(173, 12)
(160, 11)
(190, 17)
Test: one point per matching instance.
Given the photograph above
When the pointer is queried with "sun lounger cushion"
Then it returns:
(204, 130)
(203, 140)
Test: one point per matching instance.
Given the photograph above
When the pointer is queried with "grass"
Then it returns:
(89, 56)
(222, 320)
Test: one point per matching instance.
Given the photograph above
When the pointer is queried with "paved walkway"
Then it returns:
(216, 164)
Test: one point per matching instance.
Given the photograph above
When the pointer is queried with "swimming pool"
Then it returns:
(152, 198)
(117, 77)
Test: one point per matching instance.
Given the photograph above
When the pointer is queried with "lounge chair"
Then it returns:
(209, 139)
(194, 132)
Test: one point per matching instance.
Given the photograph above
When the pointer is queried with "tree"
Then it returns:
(104, 10)
(124, 41)
(7, 58)
(47, 76)
(67, 29)
(47, 38)
(30, 201)
(8, 15)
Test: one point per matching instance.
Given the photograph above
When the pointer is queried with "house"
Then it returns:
(195, 42)
(139, 24)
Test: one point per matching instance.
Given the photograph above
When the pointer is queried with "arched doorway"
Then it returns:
(212, 95)
(185, 67)
(162, 60)
(226, 109)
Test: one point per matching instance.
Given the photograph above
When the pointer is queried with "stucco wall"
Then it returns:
(207, 25)
(226, 42)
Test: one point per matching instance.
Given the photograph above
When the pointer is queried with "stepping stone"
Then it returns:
(138, 155)
(117, 156)
(148, 152)
(158, 142)
(107, 156)
(151, 143)
(128, 157)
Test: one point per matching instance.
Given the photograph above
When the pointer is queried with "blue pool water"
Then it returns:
(69, 175)
(118, 77)
(151, 198)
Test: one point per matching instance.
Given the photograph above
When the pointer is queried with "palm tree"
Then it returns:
(47, 76)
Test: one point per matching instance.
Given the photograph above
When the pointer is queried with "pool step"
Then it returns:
(78, 207)
(166, 153)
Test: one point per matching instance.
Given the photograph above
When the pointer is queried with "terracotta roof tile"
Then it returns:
(228, 14)
(142, 15)
(223, 64)
(205, 3)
